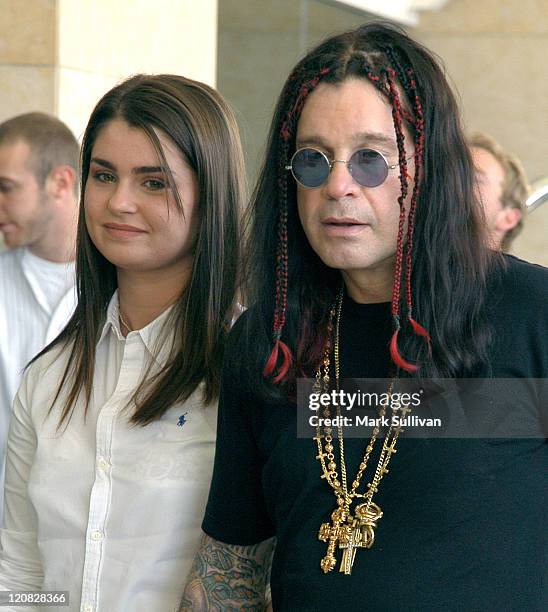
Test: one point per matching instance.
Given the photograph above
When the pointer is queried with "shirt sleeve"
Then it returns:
(236, 512)
(20, 565)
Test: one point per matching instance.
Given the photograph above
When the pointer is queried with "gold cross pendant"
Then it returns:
(349, 542)
(331, 534)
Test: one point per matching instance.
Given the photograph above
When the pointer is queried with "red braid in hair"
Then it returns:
(419, 151)
(282, 262)
(390, 90)
(400, 139)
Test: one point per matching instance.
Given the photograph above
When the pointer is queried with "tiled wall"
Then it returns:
(60, 56)
(27, 56)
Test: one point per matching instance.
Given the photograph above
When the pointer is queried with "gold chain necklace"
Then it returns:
(122, 321)
(350, 529)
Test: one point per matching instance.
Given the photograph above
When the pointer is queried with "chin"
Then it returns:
(130, 264)
(344, 258)
(12, 242)
(342, 263)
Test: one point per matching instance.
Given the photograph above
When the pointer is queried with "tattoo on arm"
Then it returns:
(228, 578)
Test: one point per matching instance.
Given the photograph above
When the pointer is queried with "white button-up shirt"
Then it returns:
(105, 509)
(27, 323)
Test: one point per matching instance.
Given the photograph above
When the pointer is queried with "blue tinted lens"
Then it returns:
(368, 167)
(310, 167)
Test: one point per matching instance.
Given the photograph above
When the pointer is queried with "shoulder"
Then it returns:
(525, 276)
(245, 344)
(41, 378)
(519, 287)
(517, 305)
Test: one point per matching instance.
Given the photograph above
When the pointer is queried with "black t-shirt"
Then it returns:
(464, 525)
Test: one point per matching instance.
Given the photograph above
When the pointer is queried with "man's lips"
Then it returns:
(343, 226)
(342, 221)
(7, 226)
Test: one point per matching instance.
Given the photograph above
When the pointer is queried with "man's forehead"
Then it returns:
(485, 162)
(16, 160)
(369, 138)
(15, 149)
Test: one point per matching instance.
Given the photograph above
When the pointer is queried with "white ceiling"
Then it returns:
(403, 11)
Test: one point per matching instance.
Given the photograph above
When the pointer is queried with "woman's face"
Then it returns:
(130, 209)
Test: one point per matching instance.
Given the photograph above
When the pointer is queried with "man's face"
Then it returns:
(489, 183)
(351, 227)
(489, 178)
(25, 210)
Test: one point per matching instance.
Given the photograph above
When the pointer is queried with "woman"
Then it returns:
(111, 442)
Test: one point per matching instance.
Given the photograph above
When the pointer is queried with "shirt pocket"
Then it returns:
(179, 446)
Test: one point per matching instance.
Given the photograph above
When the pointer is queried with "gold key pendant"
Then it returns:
(367, 516)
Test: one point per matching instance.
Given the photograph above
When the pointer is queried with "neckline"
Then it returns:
(379, 309)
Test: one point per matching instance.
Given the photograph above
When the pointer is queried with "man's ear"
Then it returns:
(508, 218)
(61, 181)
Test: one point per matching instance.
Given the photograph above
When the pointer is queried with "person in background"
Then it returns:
(502, 190)
(111, 441)
(38, 218)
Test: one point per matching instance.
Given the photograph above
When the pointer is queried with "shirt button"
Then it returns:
(96, 535)
(102, 464)
(88, 608)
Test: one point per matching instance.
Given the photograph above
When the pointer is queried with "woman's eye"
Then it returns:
(154, 184)
(104, 177)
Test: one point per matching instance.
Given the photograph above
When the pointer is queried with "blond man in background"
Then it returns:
(503, 189)
(38, 218)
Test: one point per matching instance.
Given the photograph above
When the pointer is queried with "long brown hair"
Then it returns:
(204, 130)
(291, 290)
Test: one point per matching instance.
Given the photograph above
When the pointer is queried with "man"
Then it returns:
(367, 260)
(502, 188)
(38, 218)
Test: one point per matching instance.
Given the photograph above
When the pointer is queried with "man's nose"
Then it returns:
(340, 182)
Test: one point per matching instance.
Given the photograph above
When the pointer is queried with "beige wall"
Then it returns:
(60, 56)
(258, 48)
(27, 56)
(495, 52)
(104, 41)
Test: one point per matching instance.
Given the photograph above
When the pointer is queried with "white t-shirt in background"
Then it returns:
(37, 298)
(50, 280)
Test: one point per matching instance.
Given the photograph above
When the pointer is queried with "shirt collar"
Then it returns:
(159, 348)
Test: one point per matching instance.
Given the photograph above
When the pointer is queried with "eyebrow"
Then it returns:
(5, 180)
(369, 138)
(138, 170)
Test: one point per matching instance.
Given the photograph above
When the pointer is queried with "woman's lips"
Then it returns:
(118, 230)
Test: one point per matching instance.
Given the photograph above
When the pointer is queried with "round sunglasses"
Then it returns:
(311, 167)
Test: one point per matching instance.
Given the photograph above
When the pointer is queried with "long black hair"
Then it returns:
(202, 126)
(448, 263)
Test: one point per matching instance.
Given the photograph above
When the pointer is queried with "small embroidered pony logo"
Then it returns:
(182, 420)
